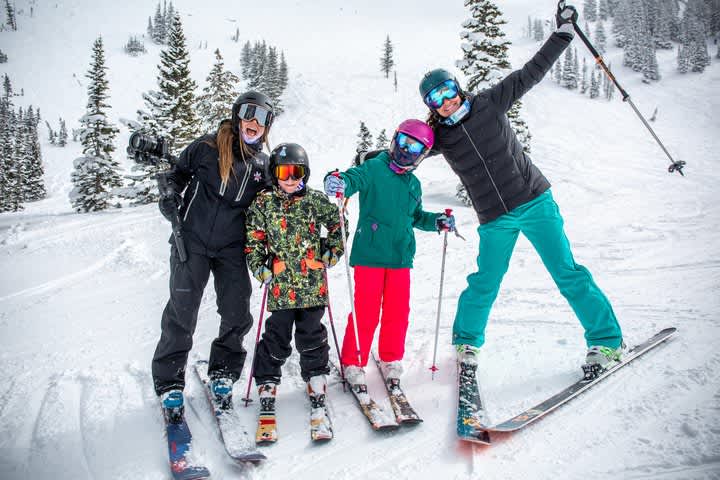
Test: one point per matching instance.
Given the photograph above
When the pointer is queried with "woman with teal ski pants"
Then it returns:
(510, 195)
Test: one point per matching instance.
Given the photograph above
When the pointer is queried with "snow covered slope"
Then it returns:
(81, 295)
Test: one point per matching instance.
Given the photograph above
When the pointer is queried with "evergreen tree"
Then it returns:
(52, 136)
(159, 28)
(62, 134)
(595, 83)
(609, 85)
(246, 60)
(538, 30)
(558, 73)
(3, 57)
(134, 47)
(34, 187)
(168, 16)
(590, 10)
(365, 140)
(520, 126)
(257, 65)
(386, 61)
(150, 30)
(683, 59)
(600, 40)
(584, 79)
(95, 174)
(650, 70)
(215, 103)
(7, 124)
(485, 59)
(693, 38)
(665, 22)
(10, 14)
(170, 112)
(382, 140)
(603, 10)
(270, 84)
(569, 75)
(283, 73)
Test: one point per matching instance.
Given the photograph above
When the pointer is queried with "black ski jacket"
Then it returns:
(483, 149)
(213, 213)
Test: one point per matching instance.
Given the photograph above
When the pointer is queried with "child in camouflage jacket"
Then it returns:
(286, 253)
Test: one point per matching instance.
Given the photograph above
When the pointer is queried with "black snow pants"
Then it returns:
(187, 283)
(310, 341)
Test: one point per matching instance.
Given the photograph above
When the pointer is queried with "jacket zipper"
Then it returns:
(243, 185)
(197, 185)
(486, 169)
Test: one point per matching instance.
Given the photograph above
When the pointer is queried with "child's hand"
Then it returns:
(263, 275)
(445, 223)
(329, 258)
(334, 184)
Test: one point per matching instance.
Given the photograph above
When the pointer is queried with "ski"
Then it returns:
(179, 441)
(471, 416)
(404, 413)
(377, 417)
(546, 406)
(233, 431)
(320, 425)
(266, 432)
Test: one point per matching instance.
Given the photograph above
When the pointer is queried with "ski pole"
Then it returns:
(247, 398)
(339, 196)
(434, 368)
(676, 165)
(332, 328)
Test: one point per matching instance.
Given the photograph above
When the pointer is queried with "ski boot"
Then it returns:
(267, 424)
(320, 425)
(173, 405)
(222, 389)
(599, 359)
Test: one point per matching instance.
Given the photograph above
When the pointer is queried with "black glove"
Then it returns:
(566, 14)
(169, 206)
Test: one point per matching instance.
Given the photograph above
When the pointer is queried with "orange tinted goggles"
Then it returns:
(284, 172)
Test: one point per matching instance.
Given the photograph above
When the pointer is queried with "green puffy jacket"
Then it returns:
(390, 207)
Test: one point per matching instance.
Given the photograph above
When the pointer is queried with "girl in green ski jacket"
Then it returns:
(384, 246)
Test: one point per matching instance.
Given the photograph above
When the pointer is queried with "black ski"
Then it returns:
(546, 406)
(404, 413)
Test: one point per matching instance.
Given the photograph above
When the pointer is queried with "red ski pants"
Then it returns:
(376, 289)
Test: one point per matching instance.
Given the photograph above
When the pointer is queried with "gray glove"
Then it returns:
(565, 17)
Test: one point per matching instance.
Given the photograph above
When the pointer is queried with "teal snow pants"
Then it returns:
(540, 221)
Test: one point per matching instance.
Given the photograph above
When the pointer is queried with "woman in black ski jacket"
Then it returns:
(510, 195)
(220, 175)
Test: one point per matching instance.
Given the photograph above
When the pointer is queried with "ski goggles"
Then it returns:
(445, 91)
(262, 115)
(284, 172)
(407, 150)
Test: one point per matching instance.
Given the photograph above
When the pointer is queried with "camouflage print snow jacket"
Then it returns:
(283, 232)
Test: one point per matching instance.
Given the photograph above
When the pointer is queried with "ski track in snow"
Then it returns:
(81, 295)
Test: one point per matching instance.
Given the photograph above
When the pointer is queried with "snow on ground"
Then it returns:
(81, 295)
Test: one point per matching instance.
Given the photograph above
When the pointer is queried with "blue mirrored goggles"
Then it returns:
(445, 91)
(407, 151)
(409, 144)
(248, 111)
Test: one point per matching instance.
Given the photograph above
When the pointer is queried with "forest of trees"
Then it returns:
(21, 168)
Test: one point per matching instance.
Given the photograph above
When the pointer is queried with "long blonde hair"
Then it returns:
(224, 143)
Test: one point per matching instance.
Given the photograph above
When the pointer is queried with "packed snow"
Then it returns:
(81, 294)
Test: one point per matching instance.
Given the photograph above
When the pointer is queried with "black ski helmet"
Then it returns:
(433, 78)
(289, 154)
(254, 98)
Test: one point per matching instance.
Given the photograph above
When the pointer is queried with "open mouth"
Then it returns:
(251, 132)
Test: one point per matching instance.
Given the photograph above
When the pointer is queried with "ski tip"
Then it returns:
(411, 422)
(253, 457)
(387, 427)
(482, 438)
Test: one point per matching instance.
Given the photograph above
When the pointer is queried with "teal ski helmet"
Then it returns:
(433, 78)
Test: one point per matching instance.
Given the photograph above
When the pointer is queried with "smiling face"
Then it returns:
(251, 130)
(449, 106)
(290, 185)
